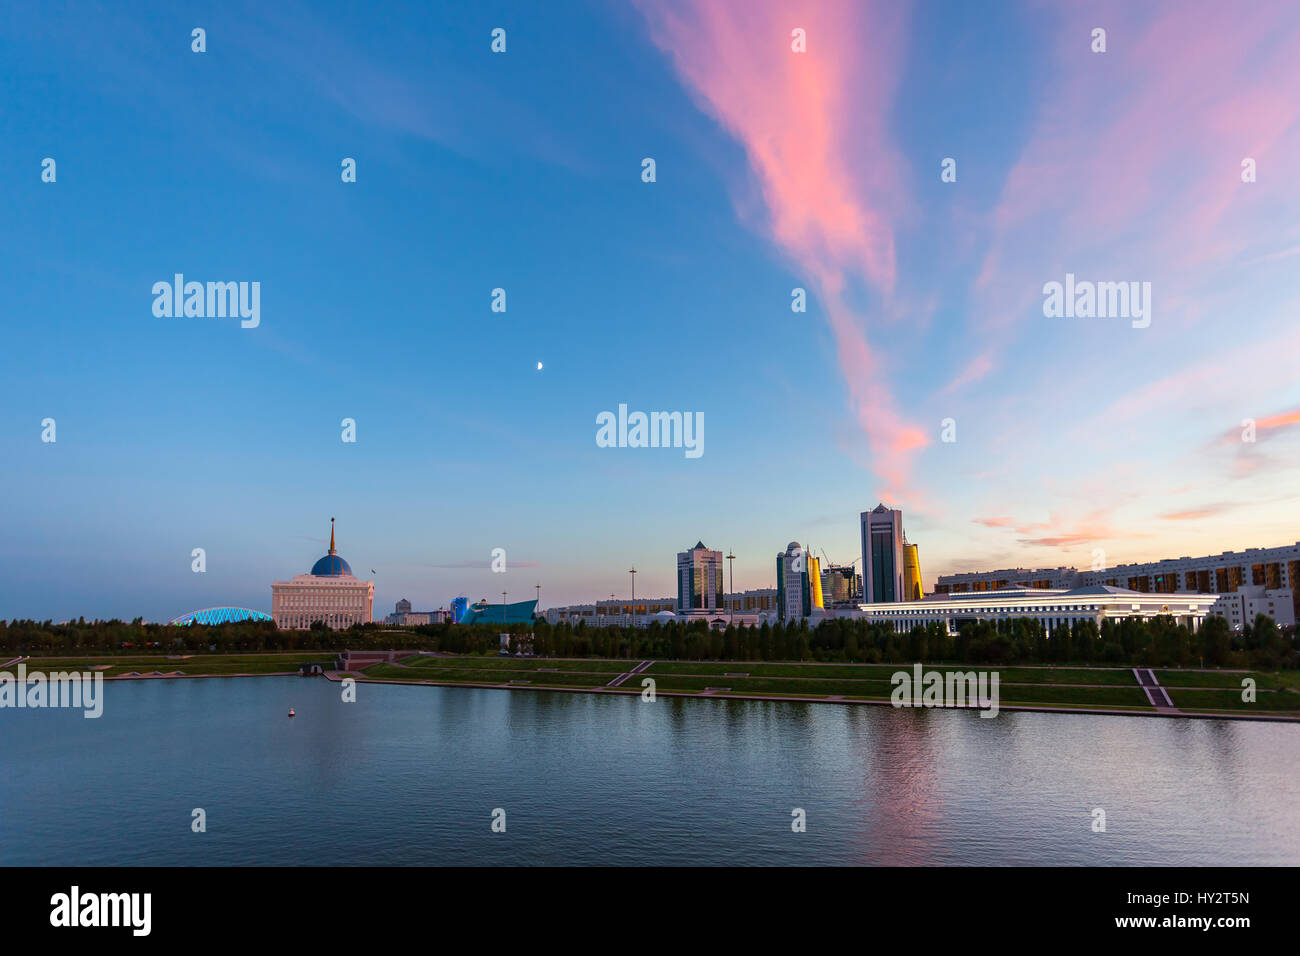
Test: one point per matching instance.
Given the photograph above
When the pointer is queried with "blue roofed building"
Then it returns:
(520, 612)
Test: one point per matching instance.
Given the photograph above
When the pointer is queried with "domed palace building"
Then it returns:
(330, 594)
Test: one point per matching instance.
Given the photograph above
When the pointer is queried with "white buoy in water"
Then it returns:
(290, 711)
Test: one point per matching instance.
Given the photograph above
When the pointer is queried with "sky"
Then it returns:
(926, 371)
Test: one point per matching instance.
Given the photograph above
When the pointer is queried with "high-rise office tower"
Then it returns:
(882, 555)
(798, 583)
(699, 580)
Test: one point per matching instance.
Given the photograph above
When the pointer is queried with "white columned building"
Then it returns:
(1052, 607)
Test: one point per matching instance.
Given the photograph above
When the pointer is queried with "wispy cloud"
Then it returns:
(1282, 420)
(972, 372)
(813, 126)
(1198, 514)
(1060, 531)
(1135, 156)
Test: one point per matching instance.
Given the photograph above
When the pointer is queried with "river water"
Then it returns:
(413, 775)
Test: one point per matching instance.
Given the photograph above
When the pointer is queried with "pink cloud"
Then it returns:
(1196, 514)
(813, 126)
(1135, 159)
(1282, 420)
(1062, 532)
(973, 371)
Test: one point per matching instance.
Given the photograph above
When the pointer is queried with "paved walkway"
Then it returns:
(636, 670)
(1158, 696)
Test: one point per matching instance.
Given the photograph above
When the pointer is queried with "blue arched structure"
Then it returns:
(220, 615)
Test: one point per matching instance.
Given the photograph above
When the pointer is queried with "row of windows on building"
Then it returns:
(1206, 581)
(924, 612)
(317, 600)
(738, 602)
(976, 587)
(306, 620)
(626, 609)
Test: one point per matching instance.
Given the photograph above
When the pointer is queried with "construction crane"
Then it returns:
(832, 564)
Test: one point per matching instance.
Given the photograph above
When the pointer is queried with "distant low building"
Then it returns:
(1245, 604)
(744, 607)
(616, 611)
(754, 601)
(975, 582)
(481, 612)
(403, 616)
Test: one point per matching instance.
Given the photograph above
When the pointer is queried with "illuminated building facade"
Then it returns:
(220, 615)
(1053, 608)
(1226, 573)
(912, 588)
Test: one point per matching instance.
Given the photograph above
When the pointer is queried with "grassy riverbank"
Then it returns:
(1082, 688)
(1069, 687)
(195, 665)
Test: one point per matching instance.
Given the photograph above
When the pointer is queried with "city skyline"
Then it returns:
(447, 602)
(477, 430)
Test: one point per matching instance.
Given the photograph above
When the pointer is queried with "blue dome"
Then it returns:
(330, 566)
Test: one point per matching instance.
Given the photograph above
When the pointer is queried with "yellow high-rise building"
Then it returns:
(815, 582)
(912, 588)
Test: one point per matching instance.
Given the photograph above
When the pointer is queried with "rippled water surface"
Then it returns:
(411, 775)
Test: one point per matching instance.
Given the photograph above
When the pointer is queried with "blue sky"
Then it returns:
(522, 170)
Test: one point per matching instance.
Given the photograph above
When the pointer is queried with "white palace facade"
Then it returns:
(329, 594)
(1052, 607)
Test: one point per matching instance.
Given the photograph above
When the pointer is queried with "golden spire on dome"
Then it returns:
(331, 535)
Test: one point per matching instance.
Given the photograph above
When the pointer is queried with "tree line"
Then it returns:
(1152, 642)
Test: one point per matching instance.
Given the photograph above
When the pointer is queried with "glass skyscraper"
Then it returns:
(882, 555)
(699, 580)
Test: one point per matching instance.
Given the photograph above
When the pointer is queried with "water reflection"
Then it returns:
(412, 774)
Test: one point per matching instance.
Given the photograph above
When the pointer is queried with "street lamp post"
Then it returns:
(632, 617)
(731, 598)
